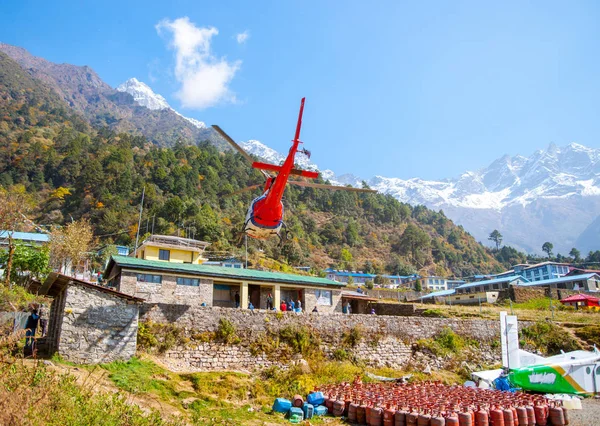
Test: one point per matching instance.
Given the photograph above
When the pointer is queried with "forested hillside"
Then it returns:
(72, 169)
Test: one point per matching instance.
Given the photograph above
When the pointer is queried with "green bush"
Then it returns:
(301, 339)
(227, 332)
(157, 337)
(590, 334)
(352, 337)
(340, 354)
(434, 313)
(549, 338)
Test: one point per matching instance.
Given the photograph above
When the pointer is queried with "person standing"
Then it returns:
(43, 320)
(348, 308)
(269, 302)
(237, 299)
(299, 305)
(283, 306)
(31, 327)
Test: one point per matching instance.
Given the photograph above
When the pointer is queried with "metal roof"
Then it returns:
(218, 272)
(579, 298)
(494, 281)
(27, 236)
(352, 274)
(561, 280)
(438, 294)
(56, 283)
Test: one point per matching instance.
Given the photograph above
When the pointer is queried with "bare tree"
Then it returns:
(70, 245)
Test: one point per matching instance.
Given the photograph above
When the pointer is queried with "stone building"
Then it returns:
(89, 323)
(192, 284)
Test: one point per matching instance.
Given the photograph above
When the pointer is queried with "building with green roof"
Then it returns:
(165, 282)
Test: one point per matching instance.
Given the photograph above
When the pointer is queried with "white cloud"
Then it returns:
(204, 78)
(242, 37)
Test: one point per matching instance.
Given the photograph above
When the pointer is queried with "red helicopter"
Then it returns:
(265, 215)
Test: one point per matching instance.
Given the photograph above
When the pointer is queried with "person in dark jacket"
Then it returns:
(31, 327)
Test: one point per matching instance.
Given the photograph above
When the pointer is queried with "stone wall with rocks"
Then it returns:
(94, 326)
(384, 340)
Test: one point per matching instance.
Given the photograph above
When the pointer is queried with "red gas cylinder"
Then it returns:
(452, 421)
(481, 418)
(329, 404)
(361, 414)
(376, 416)
(557, 417)
(465, 419)
(352, 412)
(297, 401)
(522, 416)
(509, 419)
(411, 419)
(338, 408)
(424, 420)
(541, 415)
(515, 417)
(438, 421)
(497, 417)
(388, 416)
(347, 406)
(566, 415)
(400, 418)
(368, 414)
(530, 415)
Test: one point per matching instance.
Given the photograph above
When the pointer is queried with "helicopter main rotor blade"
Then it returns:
(332, 187)
(237, 147)
(248, 188)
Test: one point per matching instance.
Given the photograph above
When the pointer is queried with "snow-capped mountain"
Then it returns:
(145, 96)
(552, 173)
(259, 149)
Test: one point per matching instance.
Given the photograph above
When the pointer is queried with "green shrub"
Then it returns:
(434, 313)
(590, 334)
(352, 337)
(158, 337)
(301, 339)
(549, 338)
(340, 354)
(226, 332)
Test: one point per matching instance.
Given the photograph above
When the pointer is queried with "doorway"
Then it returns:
(254, 296)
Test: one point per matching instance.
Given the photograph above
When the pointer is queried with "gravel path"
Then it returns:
(589, 416)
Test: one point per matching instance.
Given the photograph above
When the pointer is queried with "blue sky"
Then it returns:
(399, 89)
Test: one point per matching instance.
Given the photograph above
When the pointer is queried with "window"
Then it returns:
(149, 278)
(227, 265)
(195, 282)
(164, 254)
(323, 297)
(237, 266)
(471, 297)
(496, 286)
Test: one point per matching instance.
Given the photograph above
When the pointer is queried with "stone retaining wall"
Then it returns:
(386, 340)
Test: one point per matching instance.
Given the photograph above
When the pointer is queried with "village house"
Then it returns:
(161, 282)
(168, 248)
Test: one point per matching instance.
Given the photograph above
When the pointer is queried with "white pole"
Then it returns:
(246, 240)
(137, 235)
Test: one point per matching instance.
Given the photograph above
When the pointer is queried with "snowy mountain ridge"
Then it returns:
(551, 173)
(143, 95)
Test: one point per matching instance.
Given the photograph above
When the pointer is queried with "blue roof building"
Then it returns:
(29, 238)
(583, 282)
